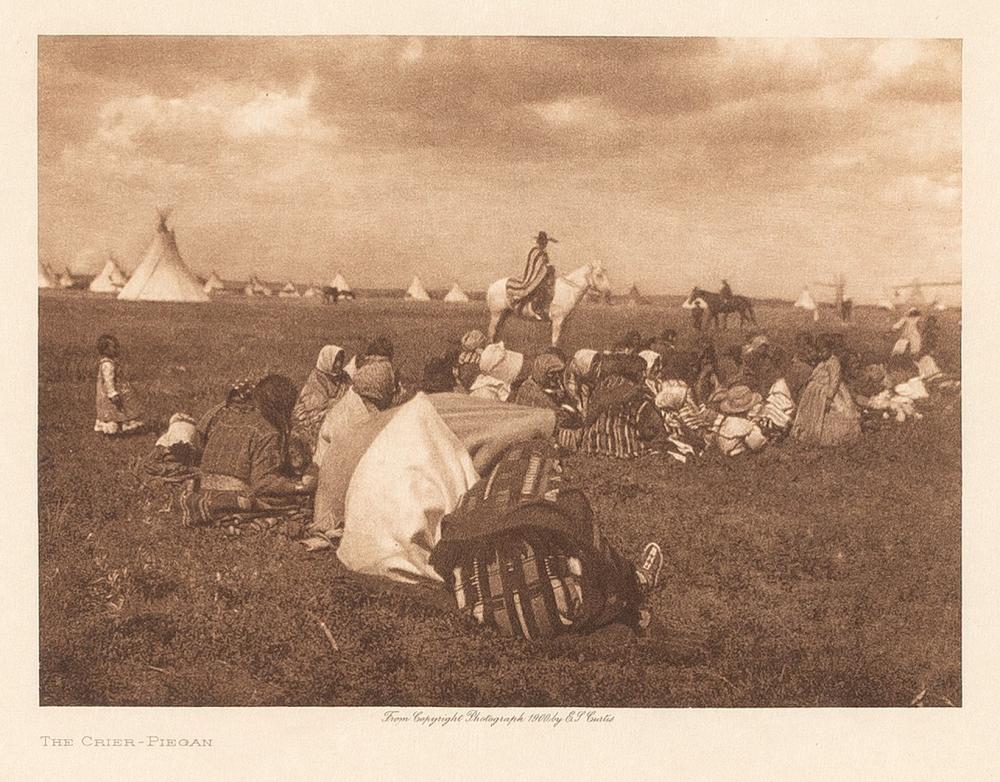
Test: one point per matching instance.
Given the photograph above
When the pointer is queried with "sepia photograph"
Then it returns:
(499, 371)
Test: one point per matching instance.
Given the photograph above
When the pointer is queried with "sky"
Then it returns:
(675, 162)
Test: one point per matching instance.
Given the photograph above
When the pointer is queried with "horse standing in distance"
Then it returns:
(569, 290)
(707, 306)
(333, 295)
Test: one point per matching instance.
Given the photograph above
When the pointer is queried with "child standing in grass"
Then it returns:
(117, 412)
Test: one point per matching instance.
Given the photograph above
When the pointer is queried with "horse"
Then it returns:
(704, 302)
(333, 295)
(569, 290)
(330, 295)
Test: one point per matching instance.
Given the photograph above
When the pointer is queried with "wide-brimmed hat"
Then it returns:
(544, 237)
(738, 399)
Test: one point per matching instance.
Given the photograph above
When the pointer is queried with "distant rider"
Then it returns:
(533, 291)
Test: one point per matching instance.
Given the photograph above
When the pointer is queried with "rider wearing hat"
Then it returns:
(533, 291)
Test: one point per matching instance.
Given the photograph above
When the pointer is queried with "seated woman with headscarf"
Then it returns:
(245, 476)
(499, 368)
(544, 388)
(380, 350)
(326, 384)
(827, 415)
(372, 389)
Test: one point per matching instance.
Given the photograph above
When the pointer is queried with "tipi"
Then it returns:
(885, 303)
(417, 291)
(340, 283)
(254, 287)
(46, 279)
(456, 294)
(634, 297)
(312, 291)
(213, 284)
(289, 291)
(807, 303)
(161, 274)
(110, 280)
(65, 281)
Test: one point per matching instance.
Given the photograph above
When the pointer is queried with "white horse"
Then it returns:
(569, 290)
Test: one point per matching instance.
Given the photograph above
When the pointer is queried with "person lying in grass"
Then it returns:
(524, 556)
(245, 472)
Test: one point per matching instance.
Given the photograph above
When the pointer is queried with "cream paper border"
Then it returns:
(653, 743)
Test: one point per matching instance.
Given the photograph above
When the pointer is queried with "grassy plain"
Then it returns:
(806, 578)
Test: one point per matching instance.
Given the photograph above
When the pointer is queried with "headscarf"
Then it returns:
(328, 358)
(181, 430)
(544, 365)
(651, 357)
(755, 344)
(672, 395)
(500, 363)
(376, 382)
(473, 343)
(473, 340)
(583, 361)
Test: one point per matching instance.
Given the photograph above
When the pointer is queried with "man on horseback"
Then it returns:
(532, 293)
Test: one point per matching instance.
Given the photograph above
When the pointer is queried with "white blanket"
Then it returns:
(414, 473)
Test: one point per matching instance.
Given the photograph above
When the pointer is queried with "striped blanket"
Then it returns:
(523, 556)
(535, 271)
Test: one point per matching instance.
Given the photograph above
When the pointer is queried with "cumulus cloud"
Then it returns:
(763, 152)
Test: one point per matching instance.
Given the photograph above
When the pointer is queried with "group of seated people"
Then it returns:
(460, 482)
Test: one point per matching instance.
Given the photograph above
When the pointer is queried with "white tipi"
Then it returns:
(46, 279)
(255, 287)
(312, 291)
(110, 280)
(213, 284)
(807, 303)
(417, 291)
(289, 291)
(456, 295)
(161, 274)
(340, 284)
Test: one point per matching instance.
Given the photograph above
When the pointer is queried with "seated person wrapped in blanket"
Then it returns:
(246, 476)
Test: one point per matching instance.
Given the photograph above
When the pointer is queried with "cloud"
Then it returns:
(766, 151)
